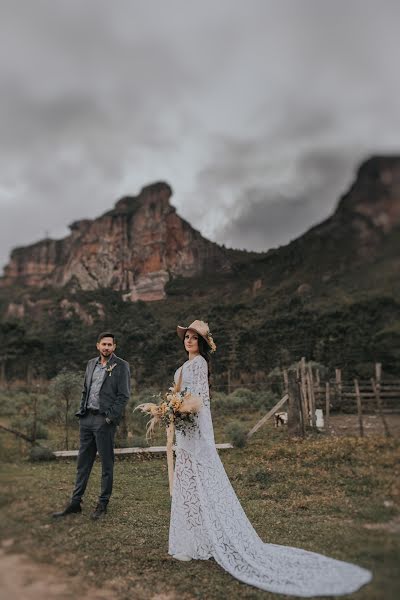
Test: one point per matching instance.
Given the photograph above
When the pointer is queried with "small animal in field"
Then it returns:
(280, 419)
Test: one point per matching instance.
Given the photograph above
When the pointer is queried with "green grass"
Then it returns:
(12, 448)
(316, 494)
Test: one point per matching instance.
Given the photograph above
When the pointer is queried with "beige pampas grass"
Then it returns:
(149, 407)
(156, 414)
(190, 404)
(175, 403)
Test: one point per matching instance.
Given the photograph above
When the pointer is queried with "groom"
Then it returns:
(106, 390)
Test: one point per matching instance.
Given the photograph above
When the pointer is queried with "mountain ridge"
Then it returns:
(332, 295)
(133, 248)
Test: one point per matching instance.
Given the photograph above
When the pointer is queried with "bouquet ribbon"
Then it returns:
(176, 404)
(170, 440)
(170, 455)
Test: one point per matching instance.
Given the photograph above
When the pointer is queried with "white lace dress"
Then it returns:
(207, 519)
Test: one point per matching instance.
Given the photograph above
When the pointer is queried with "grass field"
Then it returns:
(336, 495)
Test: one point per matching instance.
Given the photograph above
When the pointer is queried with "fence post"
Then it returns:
(327, 404)
(304, 389)
(285, 381)
(338, 379)
(295, 421)
(318, 390)
(2, 372)
(359, 407)
(376, 386)
(311, 396)
(29, 374)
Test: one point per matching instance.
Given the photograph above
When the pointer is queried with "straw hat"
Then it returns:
(202, 329)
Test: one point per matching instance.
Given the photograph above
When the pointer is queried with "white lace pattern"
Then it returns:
(207, 519)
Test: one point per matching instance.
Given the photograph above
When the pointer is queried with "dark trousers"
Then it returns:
(96, 435)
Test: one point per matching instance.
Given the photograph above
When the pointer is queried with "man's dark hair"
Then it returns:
(105, 334)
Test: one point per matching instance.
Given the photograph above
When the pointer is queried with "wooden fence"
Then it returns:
(374, 394)
(306, 393)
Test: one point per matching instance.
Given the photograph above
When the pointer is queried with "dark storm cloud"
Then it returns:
(262, 218)
(256, 113)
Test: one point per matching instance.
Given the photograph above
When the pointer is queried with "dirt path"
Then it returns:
(23, 579)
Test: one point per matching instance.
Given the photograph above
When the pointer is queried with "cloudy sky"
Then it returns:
(256, 112)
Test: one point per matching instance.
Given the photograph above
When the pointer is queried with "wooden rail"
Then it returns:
(122, 451)
(269, 414)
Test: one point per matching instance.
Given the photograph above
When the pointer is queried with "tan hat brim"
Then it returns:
(181, 331)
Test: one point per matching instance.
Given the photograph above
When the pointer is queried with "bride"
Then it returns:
(207, 520)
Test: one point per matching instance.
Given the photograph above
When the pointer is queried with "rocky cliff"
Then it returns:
(134, 248)
(363, 228)
(141, 244)
(332, 295)
(371, 208)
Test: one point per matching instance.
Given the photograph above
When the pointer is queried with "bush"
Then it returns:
(26, 425)
(40, 453)
(41, 432)
(243, 394)
(242, 399)
(219, 403)
(265, 399)
(237, 434)
(8, 403)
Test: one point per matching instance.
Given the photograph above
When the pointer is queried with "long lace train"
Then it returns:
(207, 520)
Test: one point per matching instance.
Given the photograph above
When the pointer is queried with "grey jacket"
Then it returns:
(115, 389)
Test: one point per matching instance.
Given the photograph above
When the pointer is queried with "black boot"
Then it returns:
(99, 512)
(73, 507)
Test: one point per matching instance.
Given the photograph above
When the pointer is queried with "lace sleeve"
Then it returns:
(200, 380)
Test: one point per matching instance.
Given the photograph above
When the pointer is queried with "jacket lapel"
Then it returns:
(110, 363)
(90, 372)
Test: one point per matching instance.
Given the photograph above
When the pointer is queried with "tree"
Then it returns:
(29, 412)
(65, 389)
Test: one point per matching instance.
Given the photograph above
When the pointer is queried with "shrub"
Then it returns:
(242, 399)
(40, 453)
(243, 394)
(26, 424)
(42, 432)
(237, 434)
(220, 403)
(8, 403)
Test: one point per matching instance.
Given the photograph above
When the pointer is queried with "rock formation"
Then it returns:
(139, 245)
(366, 219)
(135, 248)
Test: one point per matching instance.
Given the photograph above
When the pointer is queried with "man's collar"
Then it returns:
(98, 362)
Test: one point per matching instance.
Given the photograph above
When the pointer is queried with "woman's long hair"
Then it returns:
(205, 352)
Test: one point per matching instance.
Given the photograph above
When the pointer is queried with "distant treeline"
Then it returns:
(253, 337)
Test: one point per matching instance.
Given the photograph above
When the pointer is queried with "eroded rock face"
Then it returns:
(376, 194)
(134, 248)
(372, 204)
(141, 243)
(355, 234)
